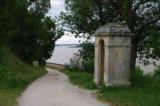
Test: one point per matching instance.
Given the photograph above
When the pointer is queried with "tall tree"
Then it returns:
(8, 17)
(141, 16)
(35, 40)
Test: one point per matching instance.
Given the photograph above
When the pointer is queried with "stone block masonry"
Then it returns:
(112, 55)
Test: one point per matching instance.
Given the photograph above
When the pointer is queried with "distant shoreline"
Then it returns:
(55, 65)
(70, 45)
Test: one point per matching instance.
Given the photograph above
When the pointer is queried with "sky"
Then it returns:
(56, 7)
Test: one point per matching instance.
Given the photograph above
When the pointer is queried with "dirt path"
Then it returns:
(54, 89)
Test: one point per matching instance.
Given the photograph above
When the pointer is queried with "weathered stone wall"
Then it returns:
(117, 55)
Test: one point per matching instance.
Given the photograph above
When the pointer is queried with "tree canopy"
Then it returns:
(26, 28)
(141, 16)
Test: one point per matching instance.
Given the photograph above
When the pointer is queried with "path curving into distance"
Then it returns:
(55, 89)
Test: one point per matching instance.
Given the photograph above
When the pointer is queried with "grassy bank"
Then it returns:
(145, 89)
(82, 79)
(15, 75)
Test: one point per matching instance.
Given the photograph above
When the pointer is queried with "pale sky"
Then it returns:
(56, 7)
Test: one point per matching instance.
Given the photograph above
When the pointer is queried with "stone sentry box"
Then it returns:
(112, 55)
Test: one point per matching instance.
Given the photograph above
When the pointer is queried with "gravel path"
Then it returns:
(54, 89)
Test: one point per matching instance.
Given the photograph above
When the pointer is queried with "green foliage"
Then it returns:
(74, 64)
(86, 54)
(88, 66)
(96, 13)
(151, 44)
(141, 16)
(82, 79)
(156, 73)
(29, 31)
(137, 77)
(8, 19)
(36, 41)
(31, 35)
(144, 90)
(87, 51)
(84, 61)
(131, 96)
(15, 77)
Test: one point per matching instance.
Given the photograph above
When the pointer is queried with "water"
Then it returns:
(63, 54)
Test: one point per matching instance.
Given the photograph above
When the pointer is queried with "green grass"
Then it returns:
(145, 90)
(15, 76)
(130, 96)
(82, 79)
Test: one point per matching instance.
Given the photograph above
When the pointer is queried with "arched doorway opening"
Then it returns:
(101, 60)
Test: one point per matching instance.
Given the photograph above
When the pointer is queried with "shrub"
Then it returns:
(88, 66)
(86, 54)
(156, 73)
(74, 64)
(84, 60)
(87, 51)
(136, 75)
(138, 79)
(80, 65)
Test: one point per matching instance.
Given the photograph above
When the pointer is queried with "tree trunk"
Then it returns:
(30, 62)
(41, 62)
(99, 3)
(133, 54)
